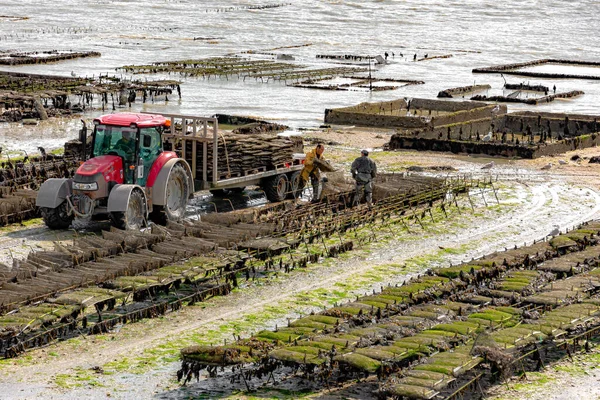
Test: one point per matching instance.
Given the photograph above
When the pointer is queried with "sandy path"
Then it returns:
(566, 387)
(18, 243)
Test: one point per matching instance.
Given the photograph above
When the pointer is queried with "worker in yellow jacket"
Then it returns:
(311, 170)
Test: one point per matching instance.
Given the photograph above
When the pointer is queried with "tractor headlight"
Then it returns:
(86, 187)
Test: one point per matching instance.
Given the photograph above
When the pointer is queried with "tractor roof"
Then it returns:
(126, 119)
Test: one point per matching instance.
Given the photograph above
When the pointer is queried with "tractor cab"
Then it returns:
(134, 138)
(128, 178)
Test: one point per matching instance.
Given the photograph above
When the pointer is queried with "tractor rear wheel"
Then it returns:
(134, 217)
(57, 218)
(178, 191)
(276, 188)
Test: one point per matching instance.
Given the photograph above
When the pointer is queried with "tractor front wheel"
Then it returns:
(57, 218)
(134, 217)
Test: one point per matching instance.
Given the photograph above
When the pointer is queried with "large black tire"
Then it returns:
(135, 216)
(178, 192)
(296, 186)
(276, 188)
(57, 218)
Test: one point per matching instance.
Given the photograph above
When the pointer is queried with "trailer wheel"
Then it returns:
(276, 188)
(57, 218)
(296, 186)
(135, 216)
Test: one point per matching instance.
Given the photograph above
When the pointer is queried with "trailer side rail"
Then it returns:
(197, 130)
(255, 178)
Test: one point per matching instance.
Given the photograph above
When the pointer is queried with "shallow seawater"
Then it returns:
(477, 33)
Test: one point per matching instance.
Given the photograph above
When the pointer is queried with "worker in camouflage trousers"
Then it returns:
(364, 171)
(311, 170)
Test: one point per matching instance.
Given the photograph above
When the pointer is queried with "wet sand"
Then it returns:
(140, 360)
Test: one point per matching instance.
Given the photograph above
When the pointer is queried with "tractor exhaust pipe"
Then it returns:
(83, 140)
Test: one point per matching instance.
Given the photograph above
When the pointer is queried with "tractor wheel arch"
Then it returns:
(128, 208)
(118, 199)
(53, 192)
(159, 188)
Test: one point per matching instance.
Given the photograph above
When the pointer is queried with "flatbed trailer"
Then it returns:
(147, 166)
(196, 140)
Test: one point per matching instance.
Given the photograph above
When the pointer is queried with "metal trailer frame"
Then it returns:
(199, 133)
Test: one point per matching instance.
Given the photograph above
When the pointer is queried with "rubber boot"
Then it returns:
(316, 197)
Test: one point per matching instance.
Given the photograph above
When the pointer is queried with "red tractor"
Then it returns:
(128, 177)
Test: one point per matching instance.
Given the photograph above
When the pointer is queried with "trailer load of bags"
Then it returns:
(239, 155)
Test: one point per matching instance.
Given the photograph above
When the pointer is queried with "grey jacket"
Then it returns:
(363, 169)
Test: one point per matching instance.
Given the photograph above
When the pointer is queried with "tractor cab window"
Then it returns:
(117, 140)
(150, 148)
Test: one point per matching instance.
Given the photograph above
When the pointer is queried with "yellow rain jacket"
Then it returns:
(309, 167)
